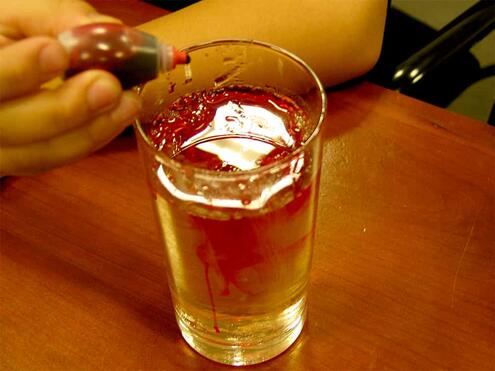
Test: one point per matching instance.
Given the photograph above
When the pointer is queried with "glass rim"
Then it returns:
(169, 161)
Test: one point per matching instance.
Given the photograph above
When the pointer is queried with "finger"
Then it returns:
(49, 17)
(26, 64)
(49, 113)
(72, 145)
(4, 40)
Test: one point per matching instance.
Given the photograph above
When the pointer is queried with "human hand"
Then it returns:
(40, 128)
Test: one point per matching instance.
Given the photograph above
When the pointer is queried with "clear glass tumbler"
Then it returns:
(238, 243)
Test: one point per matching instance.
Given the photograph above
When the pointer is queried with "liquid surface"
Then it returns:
(228, 129)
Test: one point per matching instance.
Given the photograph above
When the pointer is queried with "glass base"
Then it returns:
(244, 341)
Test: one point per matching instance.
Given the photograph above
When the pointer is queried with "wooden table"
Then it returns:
(403, 274)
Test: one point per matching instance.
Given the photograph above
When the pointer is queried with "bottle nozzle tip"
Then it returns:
(171, 57)
(181, 57)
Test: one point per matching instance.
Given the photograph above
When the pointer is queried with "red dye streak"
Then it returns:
(212, 301)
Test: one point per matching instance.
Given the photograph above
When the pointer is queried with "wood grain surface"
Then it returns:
(403, 273)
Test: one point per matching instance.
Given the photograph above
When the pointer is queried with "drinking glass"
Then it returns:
(238, 244)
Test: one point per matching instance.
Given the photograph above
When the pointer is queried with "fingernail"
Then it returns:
(128, 109)
(103, 93)
(53, 58)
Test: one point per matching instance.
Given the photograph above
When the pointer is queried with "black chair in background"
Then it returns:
(434, 66)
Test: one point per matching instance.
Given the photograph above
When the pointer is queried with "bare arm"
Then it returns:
(340, 39)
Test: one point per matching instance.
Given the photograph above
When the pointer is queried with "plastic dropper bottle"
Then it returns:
(134, 57)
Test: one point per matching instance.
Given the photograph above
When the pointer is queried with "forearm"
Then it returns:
(339, 39)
